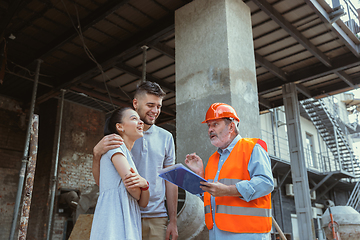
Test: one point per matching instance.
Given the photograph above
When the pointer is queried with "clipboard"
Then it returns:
(183, 177)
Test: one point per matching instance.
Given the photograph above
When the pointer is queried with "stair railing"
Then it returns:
(354, 199)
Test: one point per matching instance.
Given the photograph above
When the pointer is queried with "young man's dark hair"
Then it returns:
(150, 88)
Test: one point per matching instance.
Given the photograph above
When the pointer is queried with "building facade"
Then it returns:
(328, 129)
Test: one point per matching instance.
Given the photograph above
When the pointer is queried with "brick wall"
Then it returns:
(82, 128)
(58, 228)
(12, 139)
(8, 182)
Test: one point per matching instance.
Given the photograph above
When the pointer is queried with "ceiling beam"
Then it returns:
(164, 49)
(137, 73)
(346, 78)
(323, 91)
(10, 12)
(42, 81)
(112, 90)
(86, 23)
(324, 16)
(117, 102)
(303, 90)
(101, 96)
(287, 26)
(16, 28)
(158, 29)
(264, 102)
(124, 58)
(270, 67)
(334, 88)
(340, 63)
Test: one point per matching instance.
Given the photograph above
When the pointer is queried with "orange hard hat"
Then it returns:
(220, 110)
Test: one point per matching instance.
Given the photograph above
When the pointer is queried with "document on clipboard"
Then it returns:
(183, 177)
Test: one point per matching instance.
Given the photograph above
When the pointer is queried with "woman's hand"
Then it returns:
(133, 180)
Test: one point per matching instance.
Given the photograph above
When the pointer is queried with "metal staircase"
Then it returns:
(354, 200)
(333, 132)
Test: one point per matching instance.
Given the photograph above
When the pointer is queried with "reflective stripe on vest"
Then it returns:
(257, 212)
(207, 209)
(229, 181)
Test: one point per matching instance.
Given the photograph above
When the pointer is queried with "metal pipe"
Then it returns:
(25, 155)
(277, 131)
(280, 202)
(332, 225)
(30, 79)
(351, 25)
(144, 48)
(54, 180)
(337, 148)
(272, 129)
(328, 158)
(29, 183)
(320, 150)
(351, 156)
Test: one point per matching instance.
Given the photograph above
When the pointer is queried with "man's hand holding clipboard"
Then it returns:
(181, 176)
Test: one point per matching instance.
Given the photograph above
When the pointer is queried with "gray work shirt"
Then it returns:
(151, 153)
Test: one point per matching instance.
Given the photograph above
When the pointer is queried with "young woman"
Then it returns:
(122, 189)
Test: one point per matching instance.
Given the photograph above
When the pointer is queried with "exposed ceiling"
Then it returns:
(92, 48)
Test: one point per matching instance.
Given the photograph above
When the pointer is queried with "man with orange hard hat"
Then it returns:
(237, 196)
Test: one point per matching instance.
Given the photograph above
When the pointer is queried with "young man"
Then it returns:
(237, 196)
(151, 153)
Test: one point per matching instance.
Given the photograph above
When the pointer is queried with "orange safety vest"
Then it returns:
(232, 213)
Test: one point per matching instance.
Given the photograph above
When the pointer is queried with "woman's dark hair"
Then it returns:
(116, 117)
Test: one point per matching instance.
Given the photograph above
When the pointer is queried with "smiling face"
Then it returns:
(219, 133)
(148, 106)
(131, 126)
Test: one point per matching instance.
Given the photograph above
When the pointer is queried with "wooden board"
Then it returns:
(82, 228)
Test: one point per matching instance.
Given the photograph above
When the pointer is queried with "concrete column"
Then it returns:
(214, 63)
